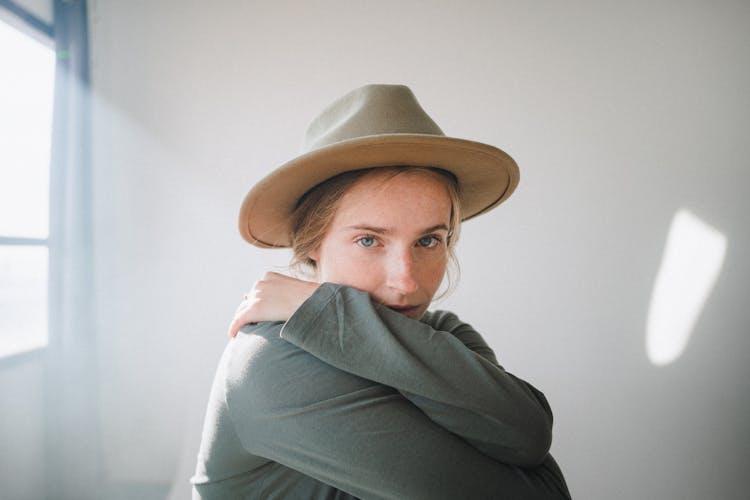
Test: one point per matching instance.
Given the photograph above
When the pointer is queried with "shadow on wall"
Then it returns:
(693, 258)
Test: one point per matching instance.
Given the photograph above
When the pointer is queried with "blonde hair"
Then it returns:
(315, 211)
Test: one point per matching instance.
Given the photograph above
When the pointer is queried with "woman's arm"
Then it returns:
(359, 436)
(462, 391)
(501, 415)
(445, 321)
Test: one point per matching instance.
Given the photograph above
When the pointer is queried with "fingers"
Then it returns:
(239, 315)
(234, 328)
(244, 313)
(274, 297)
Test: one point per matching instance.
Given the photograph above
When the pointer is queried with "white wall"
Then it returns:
(618, 113)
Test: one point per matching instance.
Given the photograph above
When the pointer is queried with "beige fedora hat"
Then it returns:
(374, 126)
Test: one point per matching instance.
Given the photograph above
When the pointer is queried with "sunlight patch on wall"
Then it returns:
(692, 260)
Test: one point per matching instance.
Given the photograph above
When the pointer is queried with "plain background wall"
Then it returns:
(619, 115)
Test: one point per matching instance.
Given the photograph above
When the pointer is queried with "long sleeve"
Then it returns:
(356, 435)
(441, 365)
(284, 423)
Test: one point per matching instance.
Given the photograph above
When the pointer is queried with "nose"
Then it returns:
(402, 272)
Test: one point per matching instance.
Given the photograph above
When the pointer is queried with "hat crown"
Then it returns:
(370, 127)
(369, 111)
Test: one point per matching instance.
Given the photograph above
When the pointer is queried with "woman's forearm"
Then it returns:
(461, 390)
(358, 435)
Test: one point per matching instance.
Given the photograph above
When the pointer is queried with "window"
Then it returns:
(27, 69)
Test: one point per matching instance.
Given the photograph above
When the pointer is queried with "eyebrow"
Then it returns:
(383, 230)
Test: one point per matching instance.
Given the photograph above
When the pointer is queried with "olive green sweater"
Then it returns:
(349, 399)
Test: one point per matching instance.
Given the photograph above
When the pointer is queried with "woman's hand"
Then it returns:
(274, 297)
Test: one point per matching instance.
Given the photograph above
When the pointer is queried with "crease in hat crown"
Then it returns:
(371, 110)
(373, 126)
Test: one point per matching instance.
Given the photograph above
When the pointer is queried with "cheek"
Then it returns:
(440, 273)
(365, 277)
(338, 265)
(432, 273)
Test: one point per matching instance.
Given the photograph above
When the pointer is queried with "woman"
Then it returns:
(344, 386)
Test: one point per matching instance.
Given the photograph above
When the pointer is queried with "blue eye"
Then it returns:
(428, 241)
(366, 241)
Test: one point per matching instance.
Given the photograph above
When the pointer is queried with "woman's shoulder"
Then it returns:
(253, 351)
(446, 321)
(269, 371)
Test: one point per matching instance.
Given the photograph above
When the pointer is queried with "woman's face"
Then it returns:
(389, 238)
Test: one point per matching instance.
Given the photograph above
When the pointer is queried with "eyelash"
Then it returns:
(359, 239)
(436, 240)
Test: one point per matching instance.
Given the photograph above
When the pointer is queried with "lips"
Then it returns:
(407, 310)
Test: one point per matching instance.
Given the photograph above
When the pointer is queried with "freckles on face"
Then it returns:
(389, 238)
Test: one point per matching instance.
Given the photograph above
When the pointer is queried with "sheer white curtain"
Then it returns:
(73, 460)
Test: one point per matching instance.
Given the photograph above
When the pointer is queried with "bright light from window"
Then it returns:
(692, 260)
(27, 71)
(23, 298)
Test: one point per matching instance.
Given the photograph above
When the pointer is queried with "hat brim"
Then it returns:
(487, 176)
